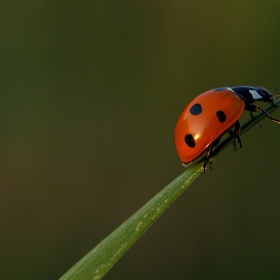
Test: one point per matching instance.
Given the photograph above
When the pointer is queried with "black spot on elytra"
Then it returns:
(190, 140)
(221, 116)
(196, 109)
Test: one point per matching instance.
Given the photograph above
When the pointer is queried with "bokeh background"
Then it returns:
(90, 92)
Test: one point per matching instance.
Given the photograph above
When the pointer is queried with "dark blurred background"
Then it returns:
(90, 94)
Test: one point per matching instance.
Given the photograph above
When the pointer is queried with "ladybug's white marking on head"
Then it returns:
(255, 94)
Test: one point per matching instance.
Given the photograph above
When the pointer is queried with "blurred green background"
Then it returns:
(90, 94)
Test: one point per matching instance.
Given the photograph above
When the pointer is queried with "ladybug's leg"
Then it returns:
(208, 152)
(236, 131)
(252, 116)
(207, 155)
(255, 108)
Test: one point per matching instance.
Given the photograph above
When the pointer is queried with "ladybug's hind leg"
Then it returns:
(208, 153)
(206, 158)
(236, 131)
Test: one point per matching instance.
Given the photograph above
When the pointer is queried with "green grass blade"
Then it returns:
(98, 261)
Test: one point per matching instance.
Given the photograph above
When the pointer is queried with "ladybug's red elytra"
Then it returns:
(211, 114)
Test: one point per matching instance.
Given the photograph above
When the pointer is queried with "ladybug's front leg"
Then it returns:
(236, 131)
(255, 108)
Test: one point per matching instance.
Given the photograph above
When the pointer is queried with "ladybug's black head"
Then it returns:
(266, 95)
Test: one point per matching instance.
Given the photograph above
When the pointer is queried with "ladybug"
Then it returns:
(211, 114)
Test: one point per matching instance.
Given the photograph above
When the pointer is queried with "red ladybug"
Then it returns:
(212, 113)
